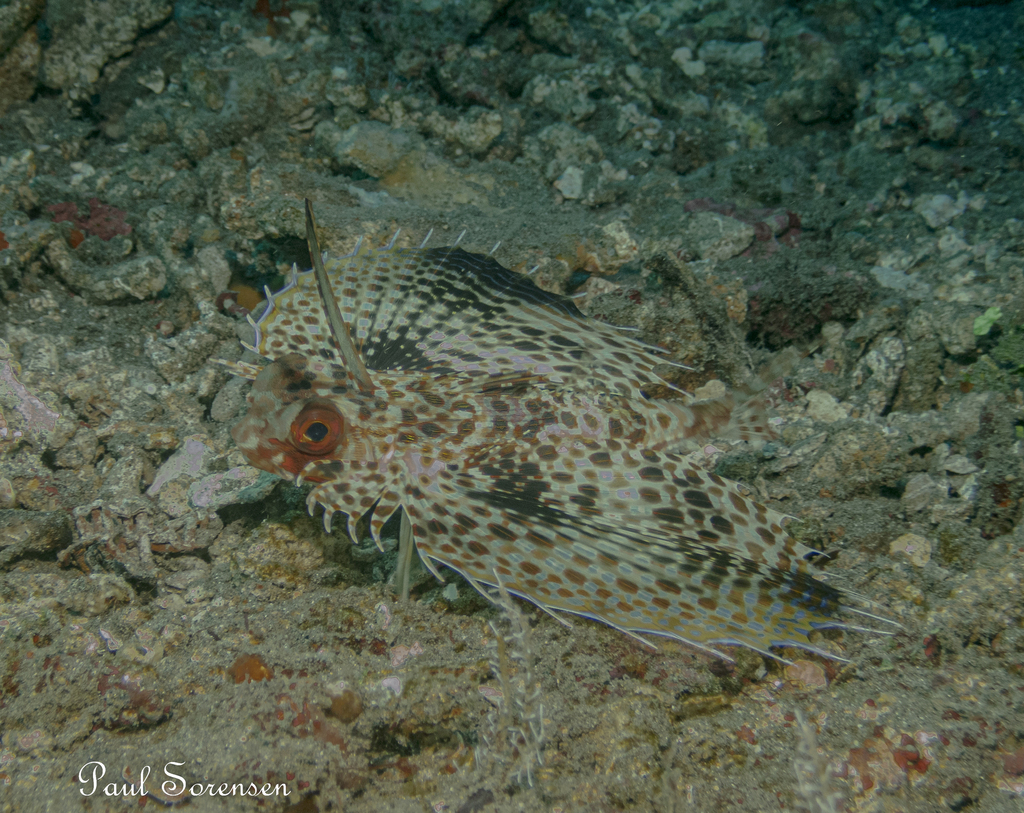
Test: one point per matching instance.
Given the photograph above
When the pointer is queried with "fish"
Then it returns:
(520, 441)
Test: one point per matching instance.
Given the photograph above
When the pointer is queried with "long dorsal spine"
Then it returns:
(339, 329)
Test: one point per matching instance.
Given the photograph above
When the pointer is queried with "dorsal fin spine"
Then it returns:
(335, 321)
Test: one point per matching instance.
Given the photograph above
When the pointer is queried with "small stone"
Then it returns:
(916, 548)
(955, 329)
(806, 675)
(938, 210)
(900, 281)
(570, 183)
(214, 265)
(189, 462)
(922, 492)
(184, 579)
(473, 133)
(240, 485)
(683, 57)
(878, 374)
(155, 80)
(959, 464)
(94, 595)
(80, 451)
(346, 706)
(941, 121)
(569, 99)
(559, 146)
(140, 278)
(822, 406)
(605, 250)
(716, 236)
(123, 479)
(24, 533)
(370, 146)
(188, 351)
(710, 390)
(229, 400)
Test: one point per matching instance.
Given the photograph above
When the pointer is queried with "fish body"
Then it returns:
(516, 437)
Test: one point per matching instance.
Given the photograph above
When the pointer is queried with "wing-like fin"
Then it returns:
(640, 564)
(443, 310)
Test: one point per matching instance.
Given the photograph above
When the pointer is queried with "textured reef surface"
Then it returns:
(827, 191)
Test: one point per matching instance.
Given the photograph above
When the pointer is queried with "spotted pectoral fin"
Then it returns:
(656, 493)
(569, 557)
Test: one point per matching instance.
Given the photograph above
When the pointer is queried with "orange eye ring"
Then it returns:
(317, 429)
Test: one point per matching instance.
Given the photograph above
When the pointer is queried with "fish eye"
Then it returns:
(316, 432)
(317, 429)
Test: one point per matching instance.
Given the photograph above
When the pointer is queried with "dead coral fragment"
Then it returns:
(39, 419)
(125, 534)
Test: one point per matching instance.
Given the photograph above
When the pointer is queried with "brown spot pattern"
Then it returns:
(517, 436)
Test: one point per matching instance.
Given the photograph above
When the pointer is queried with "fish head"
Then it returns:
(301, 411)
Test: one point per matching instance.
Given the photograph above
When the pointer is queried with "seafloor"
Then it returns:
(735, 177)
